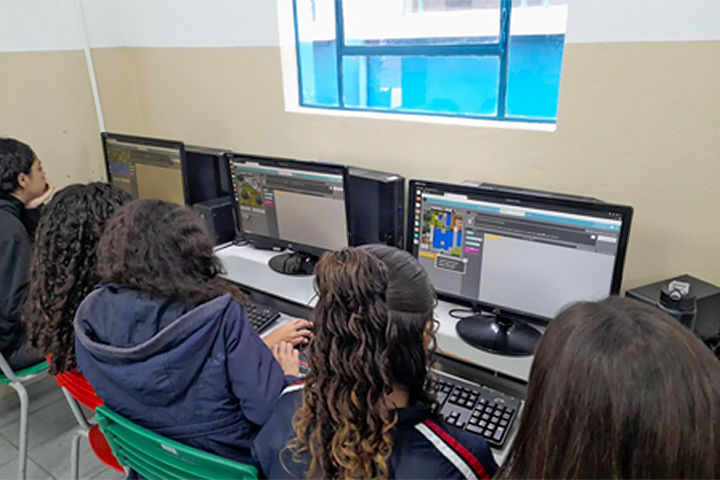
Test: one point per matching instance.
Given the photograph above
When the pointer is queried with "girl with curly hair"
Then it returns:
(63, 266)
(166, 342)
(365, 410)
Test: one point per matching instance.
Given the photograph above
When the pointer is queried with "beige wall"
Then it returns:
(638, 124)
(46, 101)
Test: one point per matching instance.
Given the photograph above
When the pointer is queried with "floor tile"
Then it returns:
(9, 471)
(110, 474)
(42, 394)
(7, 451)
(44, 424)
(54, 456)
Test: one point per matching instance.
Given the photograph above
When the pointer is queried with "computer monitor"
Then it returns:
(291, 204)
(146, 167)
(514, 257)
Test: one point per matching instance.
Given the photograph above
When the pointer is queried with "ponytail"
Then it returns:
(345, 424)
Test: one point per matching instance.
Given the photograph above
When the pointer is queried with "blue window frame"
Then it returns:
(494, 74)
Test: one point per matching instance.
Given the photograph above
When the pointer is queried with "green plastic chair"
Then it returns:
(18, 380)
(158, 458)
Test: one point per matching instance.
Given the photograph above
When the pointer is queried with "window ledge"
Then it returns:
(432, 119)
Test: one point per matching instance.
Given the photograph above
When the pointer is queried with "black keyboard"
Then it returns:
(261, 316)
(477, 409)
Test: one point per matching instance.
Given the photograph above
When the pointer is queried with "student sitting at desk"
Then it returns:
(166, 343)
(63, 266)
(23, 188)
(365, 411)
(619, 389)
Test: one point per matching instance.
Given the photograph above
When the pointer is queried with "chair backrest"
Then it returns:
(156, 457)
(79, 388)
(8, 375)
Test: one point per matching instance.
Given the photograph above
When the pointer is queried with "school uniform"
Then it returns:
(423, 446)
(199, 375)
(17, 229)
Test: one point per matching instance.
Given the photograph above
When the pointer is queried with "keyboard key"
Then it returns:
(486, 416)
(503, 423)
(498, 435)
(482, 423)
(469, 404)
(475, 429)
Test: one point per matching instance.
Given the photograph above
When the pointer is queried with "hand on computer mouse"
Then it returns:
(287, 357)
(297, 333)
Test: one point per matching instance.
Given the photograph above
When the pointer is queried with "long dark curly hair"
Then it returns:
(63, 266)
(374, 311)
(162, 249)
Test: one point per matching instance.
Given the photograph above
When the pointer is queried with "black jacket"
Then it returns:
(17, 228)
(423, 446)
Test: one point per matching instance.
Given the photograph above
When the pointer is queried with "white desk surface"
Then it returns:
(247, 266)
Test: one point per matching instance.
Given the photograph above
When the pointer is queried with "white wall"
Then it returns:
(42, 25)
(39, 25)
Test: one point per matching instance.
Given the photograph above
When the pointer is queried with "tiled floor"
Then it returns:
(51, 427)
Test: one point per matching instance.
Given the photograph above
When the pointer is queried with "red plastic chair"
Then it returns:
(78, 391)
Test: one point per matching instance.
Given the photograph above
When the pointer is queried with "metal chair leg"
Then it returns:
(23, 436)
(75, 455)
(76, 410)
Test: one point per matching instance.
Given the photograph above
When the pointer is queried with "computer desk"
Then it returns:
(295, 296)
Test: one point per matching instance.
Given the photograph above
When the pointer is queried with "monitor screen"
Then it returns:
(145, 167)
(294, 204)
(519, 253)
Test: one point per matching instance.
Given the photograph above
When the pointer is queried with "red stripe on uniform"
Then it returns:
(462, 451)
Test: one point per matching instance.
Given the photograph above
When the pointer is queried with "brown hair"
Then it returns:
(375, 304)
(63, 266)
(619, 389)
(162, 249)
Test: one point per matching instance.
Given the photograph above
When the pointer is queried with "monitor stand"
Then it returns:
(497, 333)
(295, 263)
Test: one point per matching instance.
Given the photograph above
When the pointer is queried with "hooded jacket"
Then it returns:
(199, 375)
(17, 228)
(423, 446)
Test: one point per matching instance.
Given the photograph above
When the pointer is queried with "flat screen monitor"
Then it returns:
(513, 255)
(291, 204)
(146, 167)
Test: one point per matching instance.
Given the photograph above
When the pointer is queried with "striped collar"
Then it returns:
(452, 450)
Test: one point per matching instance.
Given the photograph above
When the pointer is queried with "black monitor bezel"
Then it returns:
(265, 241)
(150, 142)
(513, 198)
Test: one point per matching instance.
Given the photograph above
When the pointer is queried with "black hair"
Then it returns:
(16, 157)
(163, 249)
(63, 266)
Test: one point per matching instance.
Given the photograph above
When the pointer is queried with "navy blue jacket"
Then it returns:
(200, 375)
(424, 446)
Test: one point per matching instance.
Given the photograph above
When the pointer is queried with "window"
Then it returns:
(487, 59)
